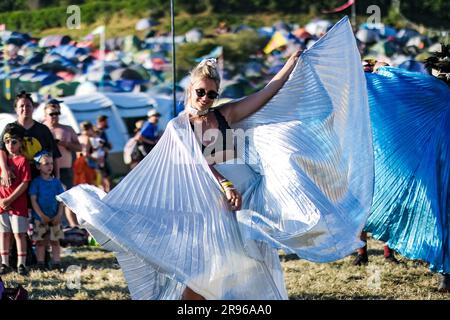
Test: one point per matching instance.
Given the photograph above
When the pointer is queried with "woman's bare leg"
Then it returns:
(188, 294)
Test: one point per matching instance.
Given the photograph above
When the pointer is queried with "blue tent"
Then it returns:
(45, 78)
(69, 51)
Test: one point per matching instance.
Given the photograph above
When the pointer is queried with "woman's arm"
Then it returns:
(6, 202)
(241, 109)
(216, 173)
(7, 175)
(233, 196)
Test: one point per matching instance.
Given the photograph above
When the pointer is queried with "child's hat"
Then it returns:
(38, 156)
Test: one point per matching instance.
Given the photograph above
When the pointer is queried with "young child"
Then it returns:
(98, 147)
(13, 201)
(47, 212)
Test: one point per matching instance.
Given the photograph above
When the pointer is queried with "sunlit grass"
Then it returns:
(101, 278)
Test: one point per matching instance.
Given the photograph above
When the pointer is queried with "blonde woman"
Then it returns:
(289, 167)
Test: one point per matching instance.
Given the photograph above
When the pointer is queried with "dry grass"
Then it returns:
(410, 280)
(101, 278)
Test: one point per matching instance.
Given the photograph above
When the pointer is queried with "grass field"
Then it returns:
(100, 277)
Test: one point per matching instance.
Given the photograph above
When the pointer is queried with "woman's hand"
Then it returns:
(234, 198)
(293, 59)
(6, 178)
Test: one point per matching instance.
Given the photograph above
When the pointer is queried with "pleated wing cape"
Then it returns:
(410, 114)
(309, 155)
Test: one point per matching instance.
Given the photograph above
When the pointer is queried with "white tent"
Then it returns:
(318, 27)
(132, 106)
(123, 110)
(76, 109)
(6, 118)
(165, 107)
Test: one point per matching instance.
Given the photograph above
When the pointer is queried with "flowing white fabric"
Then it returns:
(306, 176)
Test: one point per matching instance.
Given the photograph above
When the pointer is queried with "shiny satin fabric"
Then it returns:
(306, 175)
(410, 115)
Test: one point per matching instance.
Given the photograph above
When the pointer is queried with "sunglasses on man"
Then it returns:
(210, 94)
(54, 114)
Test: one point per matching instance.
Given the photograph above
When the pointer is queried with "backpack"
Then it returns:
(74, 237)
(18, 293)
(133, 152)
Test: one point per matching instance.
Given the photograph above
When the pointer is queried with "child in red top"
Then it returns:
(13, 201)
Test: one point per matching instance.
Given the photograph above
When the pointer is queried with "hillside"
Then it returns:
(43, 17)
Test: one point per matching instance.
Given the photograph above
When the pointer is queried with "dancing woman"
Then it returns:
(192, 220)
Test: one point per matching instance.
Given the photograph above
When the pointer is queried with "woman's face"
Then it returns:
(13, 145)
(201, 94)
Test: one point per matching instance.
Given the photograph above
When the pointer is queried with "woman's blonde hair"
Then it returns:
(206, 69)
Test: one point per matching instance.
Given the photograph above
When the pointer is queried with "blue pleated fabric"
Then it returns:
(410, 115)
(305, 173)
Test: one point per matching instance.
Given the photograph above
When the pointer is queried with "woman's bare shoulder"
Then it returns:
(226, 107)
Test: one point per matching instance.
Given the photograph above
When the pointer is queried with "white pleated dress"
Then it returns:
(305, 173)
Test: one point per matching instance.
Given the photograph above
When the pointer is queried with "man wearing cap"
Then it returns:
(148, 136)
(102, 125)
(67, 141)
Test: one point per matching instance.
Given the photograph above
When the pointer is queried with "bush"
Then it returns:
(431, 13)
(54, 17)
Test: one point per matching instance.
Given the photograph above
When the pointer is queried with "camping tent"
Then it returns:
(132, 106)
(6, 118)
(54, 41)
(76, 109)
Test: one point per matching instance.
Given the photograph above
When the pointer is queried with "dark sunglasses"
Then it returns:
(210, 94)
(12, 141)
(54, 114)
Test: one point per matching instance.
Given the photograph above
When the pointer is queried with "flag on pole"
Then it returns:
(341, 8)
(98, 30)
(217, 52)
(277, 40)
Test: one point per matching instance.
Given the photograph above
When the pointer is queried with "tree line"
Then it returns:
(52, 13)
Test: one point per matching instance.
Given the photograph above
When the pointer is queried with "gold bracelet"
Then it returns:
(227, 184)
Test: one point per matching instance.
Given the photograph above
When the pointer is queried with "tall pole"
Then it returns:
(354, 14)
(102, 55)
(6, 70)
(174, 80)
